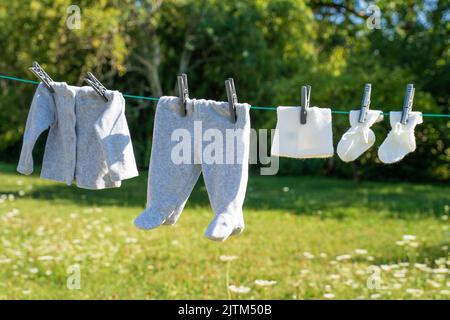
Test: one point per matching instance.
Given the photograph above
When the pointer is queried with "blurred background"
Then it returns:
(269, 47)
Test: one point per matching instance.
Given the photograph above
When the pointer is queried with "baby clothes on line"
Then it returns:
(295, 140)
(359, 138)
(171, 179)
(88, 140)
(400, 141)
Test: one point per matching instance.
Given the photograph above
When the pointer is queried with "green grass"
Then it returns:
(45, 227)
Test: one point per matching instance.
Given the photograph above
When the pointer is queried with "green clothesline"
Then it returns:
(131, 96)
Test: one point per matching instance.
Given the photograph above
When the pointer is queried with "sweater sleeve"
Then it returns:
(112, 130)
(40, 117)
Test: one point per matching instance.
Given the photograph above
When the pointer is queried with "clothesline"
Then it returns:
(131, 96)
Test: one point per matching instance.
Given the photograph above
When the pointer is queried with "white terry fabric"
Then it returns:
(400, 140)
(314, 139)
(359, 138)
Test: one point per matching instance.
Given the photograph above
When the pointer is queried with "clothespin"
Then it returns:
(305, 97)
(96, 85)
(232, 98)
(183, 91)
(365, 104)
(42, 75)
(407, 102)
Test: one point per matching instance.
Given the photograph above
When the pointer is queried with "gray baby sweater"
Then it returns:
(88, 142)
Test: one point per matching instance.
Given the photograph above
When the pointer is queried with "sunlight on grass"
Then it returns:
(305, 238)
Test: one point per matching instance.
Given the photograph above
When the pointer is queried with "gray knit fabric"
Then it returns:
(170, 184)
(88, 142)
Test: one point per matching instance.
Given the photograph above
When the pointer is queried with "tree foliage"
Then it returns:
(270, 48)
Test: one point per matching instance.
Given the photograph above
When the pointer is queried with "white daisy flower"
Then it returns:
(45, 258)
(360, 272)
(134, 240)
(397, 286)
(399, 274)
(440, 270)
(33, 270)
(265, 283)
(343, 257)
(334, 277)
(308, 255)
(240, 289)
(227, 258)
(403, 264)
(304, 272)
(414, 292)
(433, 283)
(386, 267)
(414, 244)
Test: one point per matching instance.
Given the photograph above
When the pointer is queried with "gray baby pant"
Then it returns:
(203, 141)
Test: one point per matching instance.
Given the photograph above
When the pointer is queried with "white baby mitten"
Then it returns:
(359, 138)
(400, 140)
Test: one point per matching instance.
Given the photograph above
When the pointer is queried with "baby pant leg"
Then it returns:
(225, 174)
(172, 173)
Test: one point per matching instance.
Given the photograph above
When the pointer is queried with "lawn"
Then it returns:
(317, 238)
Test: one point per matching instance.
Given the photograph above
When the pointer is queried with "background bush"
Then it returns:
(270, 47)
